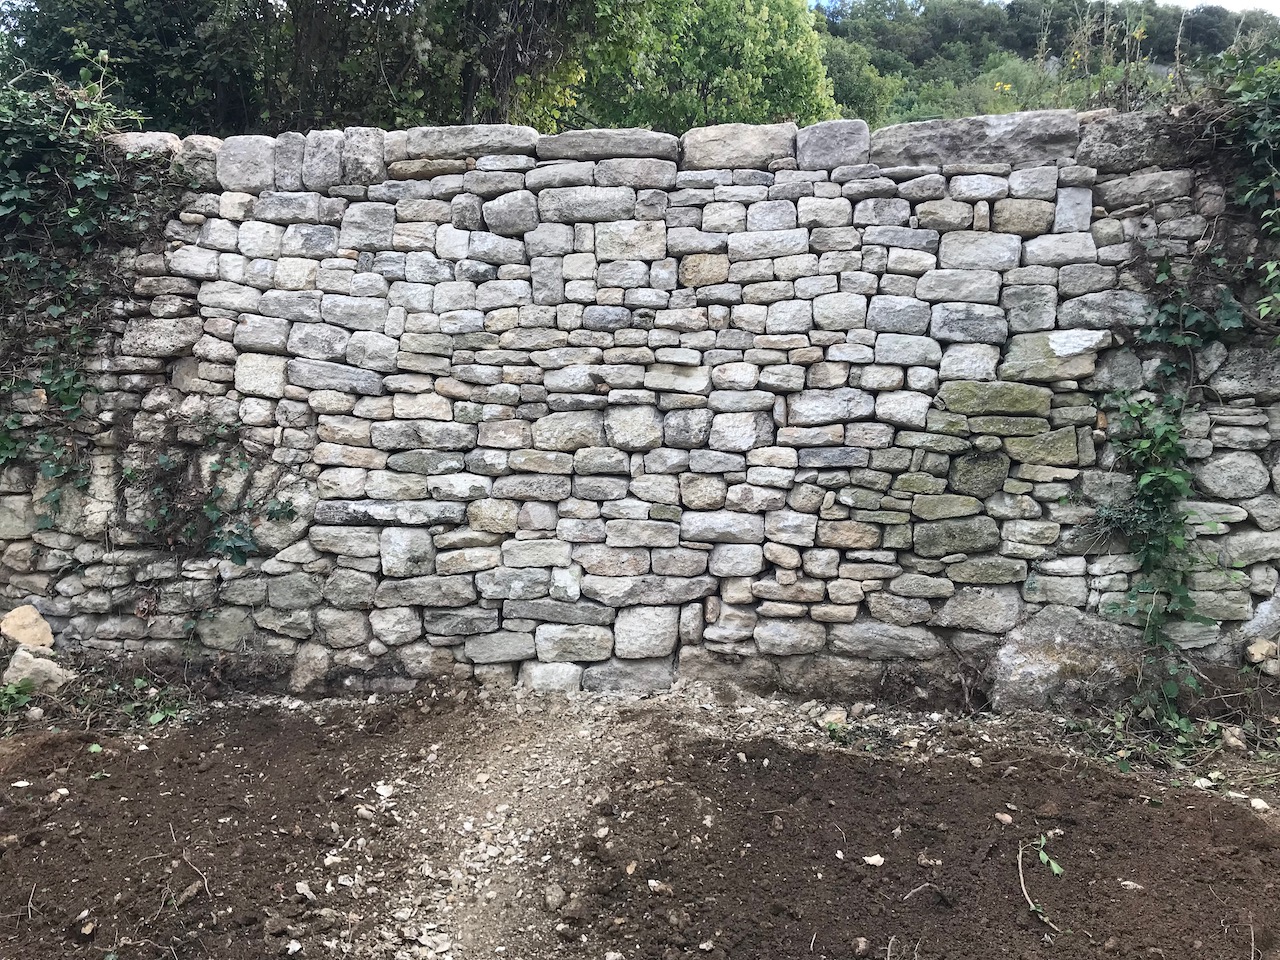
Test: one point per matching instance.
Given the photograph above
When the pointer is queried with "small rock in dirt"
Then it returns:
(1259, 650)
(34, 714)
(862, 947)
(1260, 805)
(1004, 818)
(25, 627)
(45, 675)
(836, 716)
(554, 896)
(1233, 739)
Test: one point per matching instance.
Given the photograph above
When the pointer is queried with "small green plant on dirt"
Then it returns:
(838, 733)
(15, 697)
(156, 705)
(1039, 845)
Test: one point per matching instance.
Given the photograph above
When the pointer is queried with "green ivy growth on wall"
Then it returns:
(1227, 289)
(67, 202)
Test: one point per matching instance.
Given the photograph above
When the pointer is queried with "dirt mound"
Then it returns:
(753, 850)
(683, 826)
(185, 843)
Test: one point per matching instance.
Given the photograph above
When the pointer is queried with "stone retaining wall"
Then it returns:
(809, 408)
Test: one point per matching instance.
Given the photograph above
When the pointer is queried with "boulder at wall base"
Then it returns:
(25, 627)
(1062, 655)
(44, 675)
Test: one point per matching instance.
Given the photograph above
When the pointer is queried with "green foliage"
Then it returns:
(15, 697)
(1244, 120)
(65, 202)
(186, 64)
(196, 500)
(1039, 845)
(961, 57)
(236, 66)
(149, 703)
(1196, 307)
(859, 89)
(1147, 436)
(716, 61)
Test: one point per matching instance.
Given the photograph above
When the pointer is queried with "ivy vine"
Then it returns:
(1226, 288)
(67, 204)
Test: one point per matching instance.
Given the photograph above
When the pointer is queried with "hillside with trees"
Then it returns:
(236, 66)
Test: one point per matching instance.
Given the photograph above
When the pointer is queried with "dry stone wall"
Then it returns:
(810, 408)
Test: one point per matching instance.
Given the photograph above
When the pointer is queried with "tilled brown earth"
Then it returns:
(464, 826)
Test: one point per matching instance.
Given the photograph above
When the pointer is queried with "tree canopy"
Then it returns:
(237, 66)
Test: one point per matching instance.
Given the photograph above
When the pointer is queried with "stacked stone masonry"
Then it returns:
(595, 409)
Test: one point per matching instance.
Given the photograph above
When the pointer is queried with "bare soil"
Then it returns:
(696, 824)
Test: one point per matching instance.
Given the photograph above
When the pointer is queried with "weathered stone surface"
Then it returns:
(512, 214)
(962, 250)
(736, 145)
(569, 431)
(363, 155)
(1062, 656)
(247, 164)
(157, 337)
(790, 637)
(586, 204)
(1129, 141)
(321, 375)
(1248, 371)
(631, 240)
(1236, 475)
(986, 609)
(1105, 310)
(26, 627)
(607, 144)
(43, 674)
(629, 676)
(871, 640)
(1015, 138)
(833, 143)
(505, 646)
(1015, 399)
(1144, 188)
(196, 161)
(322, 159)
(1055, 448)
(963, 535)
(649, 590)
(1049, 357)
(550, 677)
(647, 631)
(426, 591)
(478, 140)
(582, 642)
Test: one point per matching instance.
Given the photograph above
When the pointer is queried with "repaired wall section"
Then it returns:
(805, 408)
